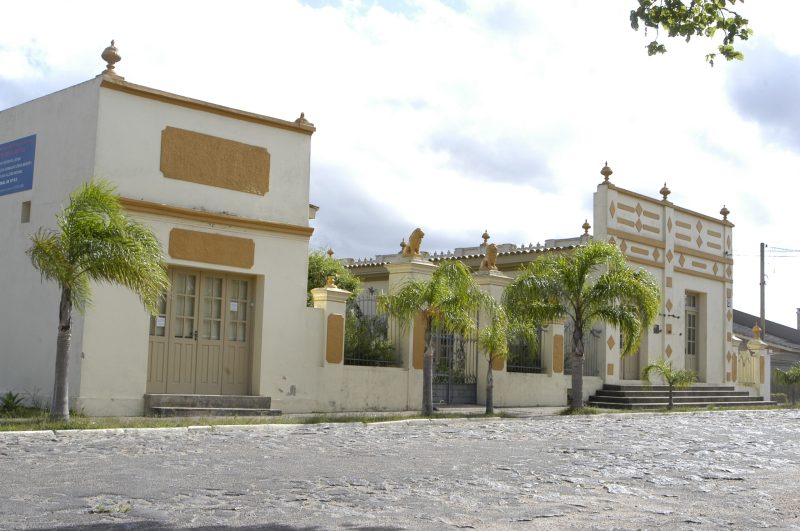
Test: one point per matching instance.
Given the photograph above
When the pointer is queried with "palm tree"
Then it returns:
(593, 283)
(493, 339)
(675, 378)
(95, 242)
(790, 378)
(450, 299)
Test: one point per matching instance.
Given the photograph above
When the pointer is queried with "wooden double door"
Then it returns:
(200, 342)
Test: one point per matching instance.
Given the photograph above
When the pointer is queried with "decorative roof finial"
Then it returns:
(756, 331)
(664, 191)
(329, 252)
(485, 237)
(586, 227)
(606, 173)
(302, 120)
(724, 213)
(111, 56)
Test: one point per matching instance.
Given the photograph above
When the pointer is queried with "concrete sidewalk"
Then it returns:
(459, 409)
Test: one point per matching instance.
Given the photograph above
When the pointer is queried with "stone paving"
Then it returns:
(709, 470)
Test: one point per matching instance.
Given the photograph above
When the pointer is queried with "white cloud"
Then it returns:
(421, 107)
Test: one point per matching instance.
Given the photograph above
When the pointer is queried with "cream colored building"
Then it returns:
(226, 192)
(687, 252)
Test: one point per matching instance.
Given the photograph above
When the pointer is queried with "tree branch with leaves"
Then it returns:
(593, 283)
(693, 18)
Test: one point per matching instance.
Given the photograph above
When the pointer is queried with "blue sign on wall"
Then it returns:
(16, 165)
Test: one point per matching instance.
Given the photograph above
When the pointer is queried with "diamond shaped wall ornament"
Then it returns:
(715, 268)
(699, 241)
(729, 315)
(669, 224)
(699, 226)
(612, 241)
(638, 209)
(638, 225)
(623, 246)
(612, 209)
(728, 357)
(668, 351)
(656, 254)
(670, 256)
(610, 342)
(682, 260)
(728, 271)
(669, 305)
(728, 243)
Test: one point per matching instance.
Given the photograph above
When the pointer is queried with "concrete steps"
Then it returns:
(163, 405)
(621, 396)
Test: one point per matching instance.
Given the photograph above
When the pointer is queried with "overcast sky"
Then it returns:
(459, 116)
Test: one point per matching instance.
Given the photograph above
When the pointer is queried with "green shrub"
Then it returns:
(365, 341)
(780, 398)
(10, 404)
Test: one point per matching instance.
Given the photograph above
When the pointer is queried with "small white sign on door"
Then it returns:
(161, 321)
(234, 306)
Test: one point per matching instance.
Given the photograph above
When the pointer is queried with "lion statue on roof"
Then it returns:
(412, 247)
(489, 262)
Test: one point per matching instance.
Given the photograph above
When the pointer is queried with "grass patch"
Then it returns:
(42, 421)
(582, 411)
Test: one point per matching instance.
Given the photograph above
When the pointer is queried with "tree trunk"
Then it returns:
(577, 366)
(427, 375)
(670, 397)
(489, 390)
(60, 406)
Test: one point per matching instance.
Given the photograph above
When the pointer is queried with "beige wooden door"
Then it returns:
(210, 340)
(200, 340)
(236, 358)
(630, 367)
(157, 350)
(691, 350)
(182, 351)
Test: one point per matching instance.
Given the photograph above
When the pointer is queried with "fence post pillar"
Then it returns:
(493, 283)
(411, 340)
(554, 349)
(333, 302)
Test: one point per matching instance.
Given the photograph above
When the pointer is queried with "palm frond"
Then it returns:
(493, 339)
(97, 242)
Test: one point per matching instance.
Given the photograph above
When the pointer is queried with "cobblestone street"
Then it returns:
(715, 470)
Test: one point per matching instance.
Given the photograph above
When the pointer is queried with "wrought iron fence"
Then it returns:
(591, 347)
(455, 358)
(369, 335)
(525, 353)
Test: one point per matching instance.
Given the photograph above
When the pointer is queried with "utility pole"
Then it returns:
(763, 283)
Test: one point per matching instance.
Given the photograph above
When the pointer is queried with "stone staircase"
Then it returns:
(157, 405)
(632, 396)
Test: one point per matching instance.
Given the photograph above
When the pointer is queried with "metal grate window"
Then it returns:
(525, 353)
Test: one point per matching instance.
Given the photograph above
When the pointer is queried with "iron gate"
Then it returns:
(455, 368)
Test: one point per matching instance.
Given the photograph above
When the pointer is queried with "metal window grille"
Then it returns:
(369, 335)
(525, 353)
